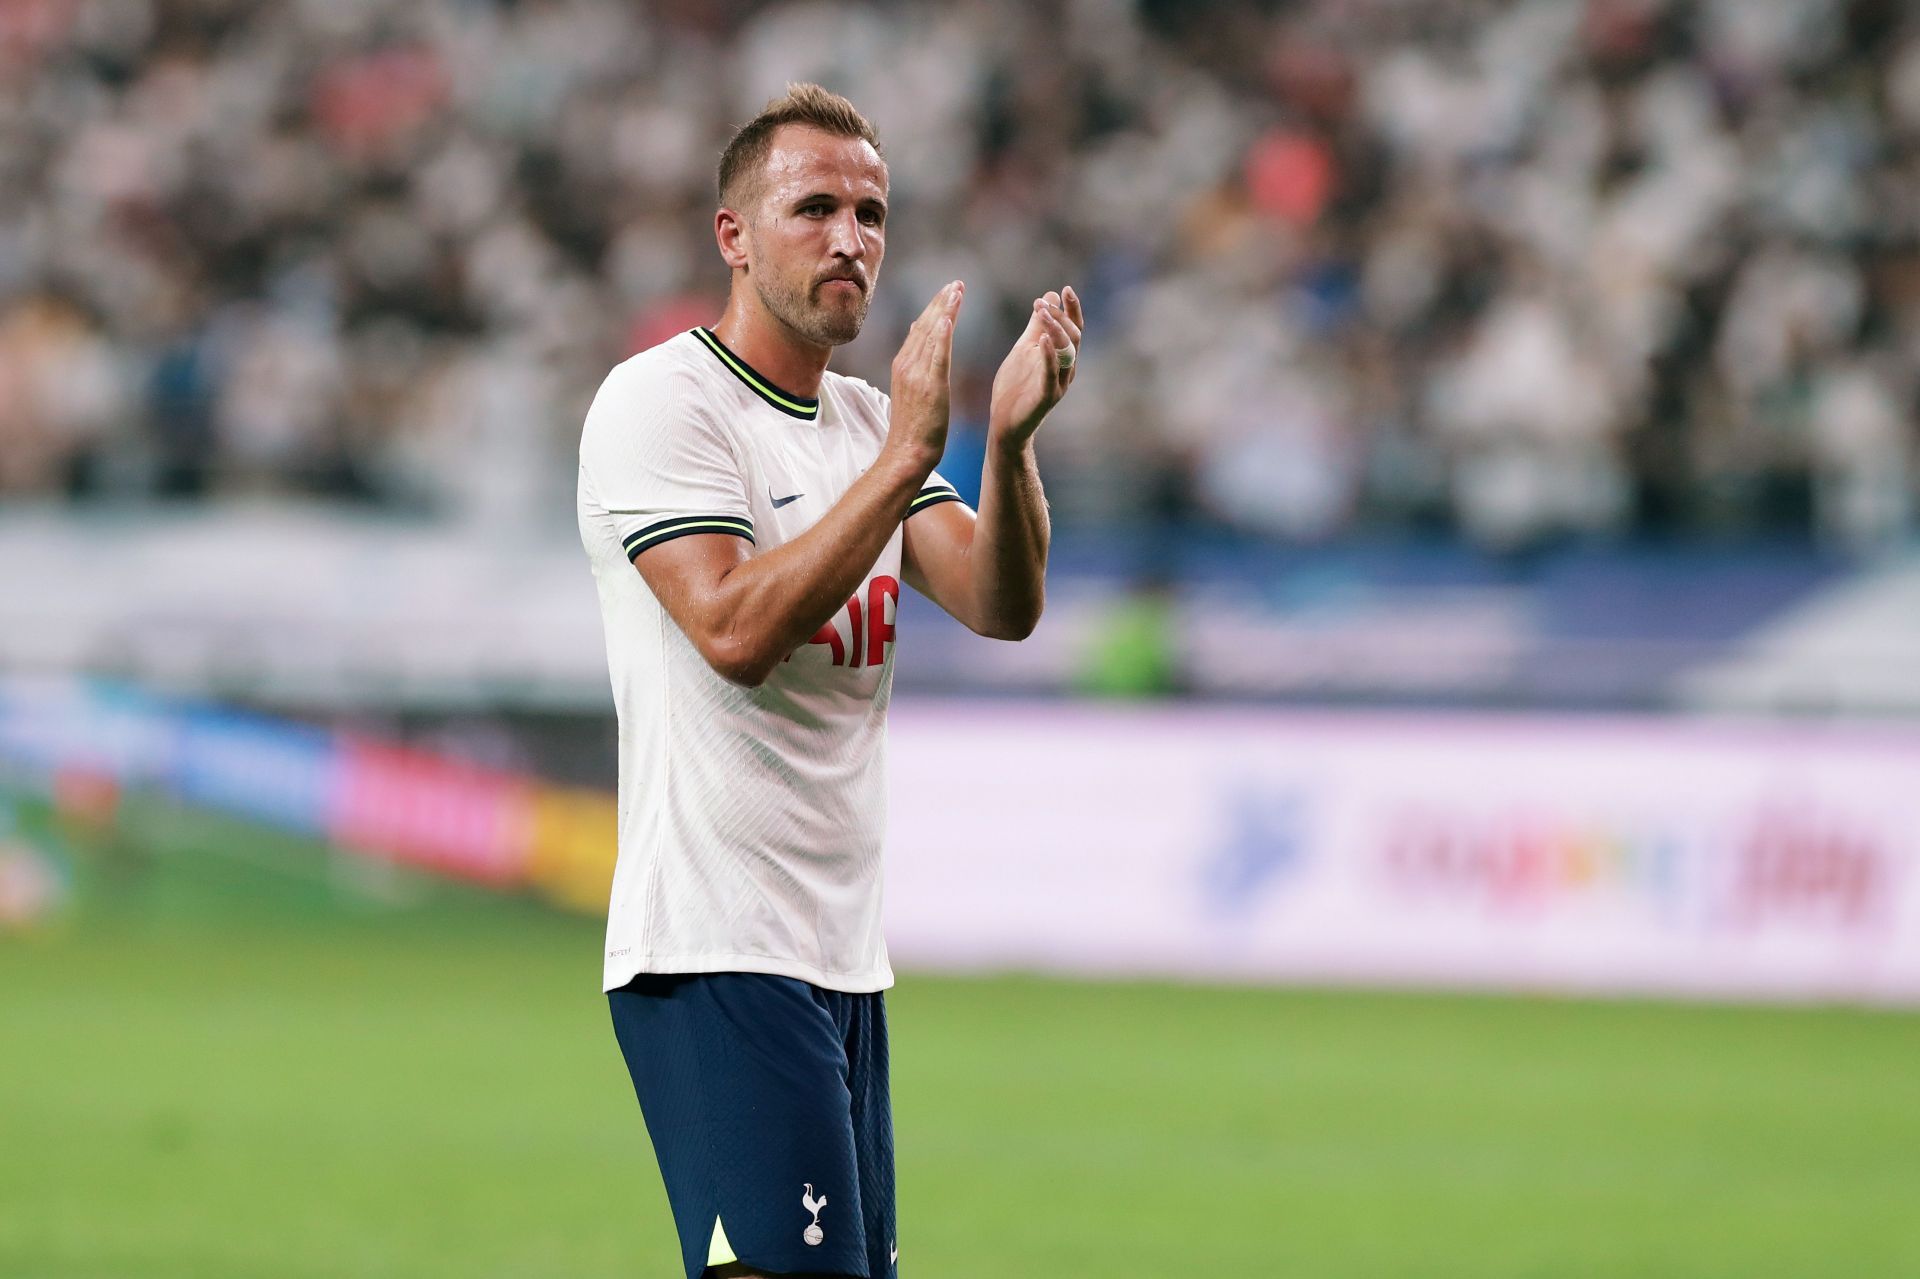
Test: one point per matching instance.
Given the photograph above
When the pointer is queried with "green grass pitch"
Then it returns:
(240, 1056)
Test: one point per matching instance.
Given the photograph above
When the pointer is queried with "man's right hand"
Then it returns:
(922, 382)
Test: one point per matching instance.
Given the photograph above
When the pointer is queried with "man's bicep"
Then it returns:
(684, 573)
(937, 543)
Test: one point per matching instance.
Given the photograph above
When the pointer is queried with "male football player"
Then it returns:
(750, 517)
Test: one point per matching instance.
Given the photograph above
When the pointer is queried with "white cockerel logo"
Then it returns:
(813, 1234)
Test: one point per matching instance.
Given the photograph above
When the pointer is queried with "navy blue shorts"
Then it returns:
(767, 1102)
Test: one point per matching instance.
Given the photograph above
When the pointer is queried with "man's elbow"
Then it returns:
(745, 676)
(1012, 626)
(737, 661)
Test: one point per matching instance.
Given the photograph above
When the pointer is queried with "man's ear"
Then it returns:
(730, 232)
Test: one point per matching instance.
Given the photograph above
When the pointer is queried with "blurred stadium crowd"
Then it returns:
(1515, 269)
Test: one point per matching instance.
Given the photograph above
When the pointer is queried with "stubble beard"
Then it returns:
(801, 311)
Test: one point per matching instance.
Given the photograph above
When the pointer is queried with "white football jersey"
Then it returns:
(751, 819)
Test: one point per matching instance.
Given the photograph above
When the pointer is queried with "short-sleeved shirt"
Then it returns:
(750, 819)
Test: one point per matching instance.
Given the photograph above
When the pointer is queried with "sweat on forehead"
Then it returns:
(807, 157)
(801, 160)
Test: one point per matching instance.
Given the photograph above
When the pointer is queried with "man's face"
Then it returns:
(816, 232)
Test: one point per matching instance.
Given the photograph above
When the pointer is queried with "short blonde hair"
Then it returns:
(808, 104)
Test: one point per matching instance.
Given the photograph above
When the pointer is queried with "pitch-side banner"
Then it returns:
(1678, 857)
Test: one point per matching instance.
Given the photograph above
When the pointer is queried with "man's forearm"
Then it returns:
(772, 604)
(1008, 558)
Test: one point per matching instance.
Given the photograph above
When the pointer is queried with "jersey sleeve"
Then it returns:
(935, 491)
(660, 465)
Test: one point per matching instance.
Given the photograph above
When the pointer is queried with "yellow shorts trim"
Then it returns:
(719, 1251)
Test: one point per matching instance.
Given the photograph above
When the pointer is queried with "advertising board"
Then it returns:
(1654, 855)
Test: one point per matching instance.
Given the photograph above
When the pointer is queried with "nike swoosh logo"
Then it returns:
(779, 502)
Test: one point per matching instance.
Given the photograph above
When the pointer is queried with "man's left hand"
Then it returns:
(1039, 369)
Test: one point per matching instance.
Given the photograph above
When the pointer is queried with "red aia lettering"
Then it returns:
(828, 635)
(872, 632)
(879, 629)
